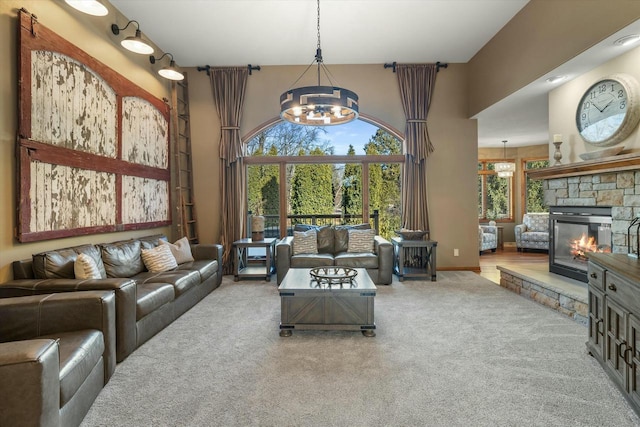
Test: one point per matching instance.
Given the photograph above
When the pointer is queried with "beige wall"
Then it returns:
(451, 168)
(563, 102)
(91, 34)
(542, 36)
(518, 154)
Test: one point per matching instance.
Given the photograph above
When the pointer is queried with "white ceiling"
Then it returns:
(283, 32)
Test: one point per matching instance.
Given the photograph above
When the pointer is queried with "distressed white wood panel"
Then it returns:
(64, 198)
(144, 200)
(71, 105)
(145, 133)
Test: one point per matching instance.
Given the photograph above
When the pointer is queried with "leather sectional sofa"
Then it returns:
(145, 302)
(57, 352)
(332, 249)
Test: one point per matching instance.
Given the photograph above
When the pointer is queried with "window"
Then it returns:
(495, 195)
(347, 170)
(533, 194)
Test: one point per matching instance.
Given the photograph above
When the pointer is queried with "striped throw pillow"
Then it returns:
(305, 242)
(159, 259)
(361, 240)
(85, 267)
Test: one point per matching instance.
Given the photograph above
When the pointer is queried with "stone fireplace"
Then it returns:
(574, 232)
(611, 183)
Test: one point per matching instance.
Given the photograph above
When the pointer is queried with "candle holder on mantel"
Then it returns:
(558, 154)
(631, 252)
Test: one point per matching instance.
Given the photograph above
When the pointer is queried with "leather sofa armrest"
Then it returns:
(125, 302)
(30, 387)
(384, 249)
(32, 316)
(284, 250)
(207, 251)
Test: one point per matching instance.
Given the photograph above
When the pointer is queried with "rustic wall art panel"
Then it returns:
(144, 133)
(93, 147)
(71, 106)
(144, 200)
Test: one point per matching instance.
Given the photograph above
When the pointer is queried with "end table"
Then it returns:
(414, 258)
(261, 266)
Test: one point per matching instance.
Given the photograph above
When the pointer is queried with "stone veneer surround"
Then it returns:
(620, 190)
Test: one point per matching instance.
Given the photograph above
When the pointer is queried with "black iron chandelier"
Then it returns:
(319, 105)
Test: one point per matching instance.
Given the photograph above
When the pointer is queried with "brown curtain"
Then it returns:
(416, 82)
(229, 87)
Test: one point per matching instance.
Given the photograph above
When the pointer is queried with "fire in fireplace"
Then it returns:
(576, 231)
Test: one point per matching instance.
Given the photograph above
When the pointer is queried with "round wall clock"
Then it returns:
(609, 110)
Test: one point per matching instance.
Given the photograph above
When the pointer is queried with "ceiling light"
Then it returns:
(133, 43)
(90, 7)
(556, 79)
(505, 169)
(319, 105)
(627, 40)
(170, 72)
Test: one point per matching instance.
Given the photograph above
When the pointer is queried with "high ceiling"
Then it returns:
(283, 32)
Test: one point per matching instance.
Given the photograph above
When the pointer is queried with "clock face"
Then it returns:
(607, 112)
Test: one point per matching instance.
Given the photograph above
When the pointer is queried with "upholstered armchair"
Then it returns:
(487, 238)
(533, 233)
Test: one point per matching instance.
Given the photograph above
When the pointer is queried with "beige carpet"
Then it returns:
(457, 352)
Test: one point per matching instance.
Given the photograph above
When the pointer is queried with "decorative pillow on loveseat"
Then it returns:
(325, 236)
(305, 242)
(361, 240)
(122, 259)
(341, 236)
(86, 268)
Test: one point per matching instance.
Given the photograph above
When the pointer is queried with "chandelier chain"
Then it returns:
(319, 26)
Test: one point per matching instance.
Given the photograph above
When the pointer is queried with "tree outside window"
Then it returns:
(533, 193)
(495, 194)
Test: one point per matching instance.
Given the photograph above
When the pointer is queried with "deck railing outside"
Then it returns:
(272, 222)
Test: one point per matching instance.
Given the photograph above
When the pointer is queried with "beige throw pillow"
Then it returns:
(86, 268)
(305, 242)
(159, 259)
(181, 250)
(361, 240)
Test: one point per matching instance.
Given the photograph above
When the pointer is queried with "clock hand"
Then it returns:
(595, 105)
(605, 107)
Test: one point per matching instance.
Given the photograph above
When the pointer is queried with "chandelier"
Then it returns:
(505, 169)
(319, 105)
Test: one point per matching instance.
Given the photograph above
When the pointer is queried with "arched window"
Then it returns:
(328, 174)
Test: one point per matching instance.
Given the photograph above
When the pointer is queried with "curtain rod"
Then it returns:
(394, 63)
(208, 68)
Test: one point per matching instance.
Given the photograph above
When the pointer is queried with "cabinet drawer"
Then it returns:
(595, 274)
(623, 292)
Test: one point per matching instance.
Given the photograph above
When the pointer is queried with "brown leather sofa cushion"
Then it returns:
(341, 236)
(152, 296)
(311, 260)
(150, 242)
(181, 280)
(122, 259)
(206, 268)
(80, 352)
(357, 260)
(58, 264)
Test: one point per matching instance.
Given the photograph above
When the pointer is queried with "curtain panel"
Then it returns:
(229, 88)
(416, 83)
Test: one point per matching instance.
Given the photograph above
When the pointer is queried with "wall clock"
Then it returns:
(609, 110)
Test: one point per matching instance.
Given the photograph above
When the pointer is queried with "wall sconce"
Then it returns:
(90, 7)
(171, 72)
(133, 43)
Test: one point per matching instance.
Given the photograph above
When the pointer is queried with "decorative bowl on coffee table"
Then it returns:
(333, 275)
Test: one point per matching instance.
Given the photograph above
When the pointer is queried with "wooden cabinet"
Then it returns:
(614, 320)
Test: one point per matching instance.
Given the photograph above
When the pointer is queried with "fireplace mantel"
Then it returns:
(606, 164)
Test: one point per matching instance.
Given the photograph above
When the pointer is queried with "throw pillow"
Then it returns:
(181, 250)
(86, 268)
(159, 259)
(361, 240)
(305, 242)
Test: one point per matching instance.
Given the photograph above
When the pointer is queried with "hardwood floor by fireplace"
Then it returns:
(510, 256)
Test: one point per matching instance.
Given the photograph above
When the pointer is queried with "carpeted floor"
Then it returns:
(457, 352)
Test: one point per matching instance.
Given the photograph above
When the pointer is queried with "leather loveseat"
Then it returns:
(146, 302)
(57, 352)
(332, 249)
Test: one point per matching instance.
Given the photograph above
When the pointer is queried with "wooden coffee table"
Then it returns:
(310, 306)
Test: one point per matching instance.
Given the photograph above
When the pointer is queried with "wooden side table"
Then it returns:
(246, 266)
(414, 258)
